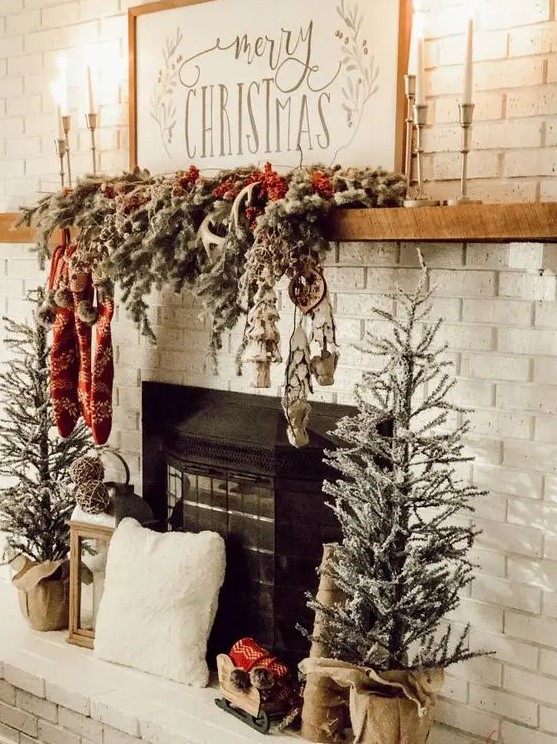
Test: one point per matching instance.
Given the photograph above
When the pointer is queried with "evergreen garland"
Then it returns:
(38, 501)
(145, 231)
(403, 561)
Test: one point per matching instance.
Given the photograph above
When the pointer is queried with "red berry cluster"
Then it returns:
(185, 179)
(228, 189)
(108, 190)
(270, 187)
(275, 186)
(322, 184)
(252, 213)
(190, 176)
(133, 201)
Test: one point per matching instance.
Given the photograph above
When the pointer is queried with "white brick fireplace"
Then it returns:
(499, 303)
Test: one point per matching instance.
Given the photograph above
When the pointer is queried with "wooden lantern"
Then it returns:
(88, 549)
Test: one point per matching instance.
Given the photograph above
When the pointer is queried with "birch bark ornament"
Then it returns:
(307, 288)
(263, 336)
(297, 388)
(323, 333)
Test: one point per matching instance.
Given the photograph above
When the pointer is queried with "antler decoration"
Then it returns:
(247, 191)
(212, 242)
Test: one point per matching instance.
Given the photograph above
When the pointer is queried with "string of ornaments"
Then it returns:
(229, 239)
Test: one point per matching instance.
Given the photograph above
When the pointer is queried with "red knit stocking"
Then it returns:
(82, 291)
(64, 358)
(103, 372)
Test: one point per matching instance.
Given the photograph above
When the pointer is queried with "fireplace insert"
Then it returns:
(221, 461)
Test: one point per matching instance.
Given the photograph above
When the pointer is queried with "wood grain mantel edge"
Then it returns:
(485, 222)
(11, 234)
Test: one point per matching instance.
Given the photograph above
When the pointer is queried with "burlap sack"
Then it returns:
(44, 594)
(324, 713)
(385, 707)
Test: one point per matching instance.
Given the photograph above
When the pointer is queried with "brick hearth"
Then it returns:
(59, 694)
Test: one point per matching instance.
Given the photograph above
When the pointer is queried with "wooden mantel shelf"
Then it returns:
(484, 222)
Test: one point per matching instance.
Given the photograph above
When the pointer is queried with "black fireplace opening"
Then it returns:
(216, 460)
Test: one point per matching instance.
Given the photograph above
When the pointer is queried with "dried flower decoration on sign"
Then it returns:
(163, 108)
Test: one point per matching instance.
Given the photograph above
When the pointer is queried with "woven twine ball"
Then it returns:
(86, 469)
(93, 497)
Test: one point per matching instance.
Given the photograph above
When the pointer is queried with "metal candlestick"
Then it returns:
(60, 145)
(466, 111)
(91, 126)
(421, 200)
(410, 93)
(66, 125)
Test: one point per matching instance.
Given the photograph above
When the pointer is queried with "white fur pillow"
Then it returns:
(160, 599)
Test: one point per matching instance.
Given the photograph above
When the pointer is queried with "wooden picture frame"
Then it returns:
(356, 76)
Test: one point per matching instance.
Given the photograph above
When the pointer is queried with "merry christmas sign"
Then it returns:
(224, 83)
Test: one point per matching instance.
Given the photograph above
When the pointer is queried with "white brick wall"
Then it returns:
(31, 35)
(501, 336)
(515, 137)
(499, 301)
(515, 94)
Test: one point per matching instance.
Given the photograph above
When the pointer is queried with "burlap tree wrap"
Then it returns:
(44, 594)
(385, 707)
(324, 714)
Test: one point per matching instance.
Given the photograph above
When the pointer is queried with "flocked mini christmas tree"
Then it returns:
(403, 560)
(36, 500)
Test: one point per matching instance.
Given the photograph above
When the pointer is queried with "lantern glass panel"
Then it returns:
(88, 555)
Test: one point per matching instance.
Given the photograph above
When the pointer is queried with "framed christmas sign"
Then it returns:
(225, 83)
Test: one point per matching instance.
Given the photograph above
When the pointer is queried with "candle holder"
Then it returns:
(60, 145)
(66, 125)
(91, 126)
(466, 112)
(410, 93)
(420, 200)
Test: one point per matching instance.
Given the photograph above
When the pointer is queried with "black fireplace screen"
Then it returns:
(224, 463)
(234, 504)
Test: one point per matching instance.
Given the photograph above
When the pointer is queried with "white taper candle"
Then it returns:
(420, 83)
(467, 91)
(90, 91)
(62, 65)
(61, 134)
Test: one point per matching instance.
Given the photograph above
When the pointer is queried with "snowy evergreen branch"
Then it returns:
(37, 500)
(403, 560)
